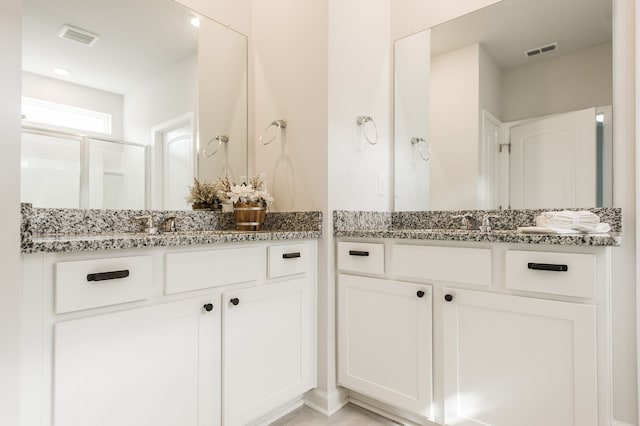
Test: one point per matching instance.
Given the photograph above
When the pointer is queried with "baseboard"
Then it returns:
(392, 413)
(280, 412)
(326, 403)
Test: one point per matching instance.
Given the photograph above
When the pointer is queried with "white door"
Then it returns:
(267, 348)
(553, 161)
(518, 361)
(178, 170)
(384, 341)
(154, 366)
(489, 184)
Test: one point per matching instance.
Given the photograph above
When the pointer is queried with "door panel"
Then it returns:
(553, 161)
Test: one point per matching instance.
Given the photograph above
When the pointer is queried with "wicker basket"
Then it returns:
(249, 216)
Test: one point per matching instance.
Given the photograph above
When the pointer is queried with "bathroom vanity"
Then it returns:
(473, 328)
(169, 332)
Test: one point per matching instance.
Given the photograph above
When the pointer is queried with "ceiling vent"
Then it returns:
(78, 35)
(538, 50)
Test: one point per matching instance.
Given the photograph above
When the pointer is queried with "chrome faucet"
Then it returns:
(169, 224)
(486, 223)
(149, 228)
(467, 223)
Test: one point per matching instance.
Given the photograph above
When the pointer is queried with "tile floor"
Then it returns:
(350, 415)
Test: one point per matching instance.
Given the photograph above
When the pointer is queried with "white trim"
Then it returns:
(619, 423)
(326, 404)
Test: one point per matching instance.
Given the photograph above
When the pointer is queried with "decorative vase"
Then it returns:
(215, 206)
(249, 216)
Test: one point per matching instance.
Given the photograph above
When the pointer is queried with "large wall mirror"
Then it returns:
(124, 103)
(506, 107)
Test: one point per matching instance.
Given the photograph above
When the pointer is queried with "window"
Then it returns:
(60, 115)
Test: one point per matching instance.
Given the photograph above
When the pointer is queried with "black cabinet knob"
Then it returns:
(448, 297)
(420, 293)
(235, 301)
(208, 307)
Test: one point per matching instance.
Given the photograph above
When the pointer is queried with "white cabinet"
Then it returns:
(514, 335)
(165, 344)
(267, 348)
(512, 360)
(156, 365)
(384, 340)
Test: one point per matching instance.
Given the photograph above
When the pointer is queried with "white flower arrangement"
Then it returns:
(254, 190)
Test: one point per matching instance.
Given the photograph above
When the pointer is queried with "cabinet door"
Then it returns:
(518, 361)
(384, 341)
(268, 346)
(154, 366)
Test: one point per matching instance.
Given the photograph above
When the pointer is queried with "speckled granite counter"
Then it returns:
(76, 230)
(443, 226)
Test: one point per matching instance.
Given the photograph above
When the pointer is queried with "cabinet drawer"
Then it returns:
(451, 264)
(86, 284)
(204, 269)
(361, 257)
(567, 274)
(288, 260)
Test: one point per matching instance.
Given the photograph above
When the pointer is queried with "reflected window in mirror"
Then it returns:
(169, 84)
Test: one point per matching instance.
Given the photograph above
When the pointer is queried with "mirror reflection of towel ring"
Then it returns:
(362, 121)
(279, 124)
(425, 153)
(221, 139)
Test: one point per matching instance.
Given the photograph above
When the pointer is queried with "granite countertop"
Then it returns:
(443, 226)
(80, 230)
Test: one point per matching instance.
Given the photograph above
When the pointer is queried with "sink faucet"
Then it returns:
(169, 224)
(467, 223)
(148, 227)
(486, 223)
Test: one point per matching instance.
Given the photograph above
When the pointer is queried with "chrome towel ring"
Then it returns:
(362, 120)
(221, 139)
(279, 125)
(424, 154)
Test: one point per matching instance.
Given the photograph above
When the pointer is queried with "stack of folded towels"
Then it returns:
(567, 222)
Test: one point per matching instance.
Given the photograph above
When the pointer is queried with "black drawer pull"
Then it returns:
(290, 255)
(547, 267)
(358, 253)
(104, 276)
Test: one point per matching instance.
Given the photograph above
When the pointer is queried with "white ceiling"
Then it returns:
(137, 39)
(508, 28)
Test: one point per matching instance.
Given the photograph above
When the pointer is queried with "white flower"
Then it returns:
(255, 190)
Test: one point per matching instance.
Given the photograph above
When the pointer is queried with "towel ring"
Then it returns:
(364, 119)
(417, 141)
(221, 139)
(279, 124)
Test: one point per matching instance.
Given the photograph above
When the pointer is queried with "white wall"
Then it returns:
(359, 85)
(412, 67)
(147, 105)
(578, 81)
(454, 129)
(290, 78)
(490, 84)
(53, 90)
(222, 101)
(625, 398)
(290, 58)
(10, 46)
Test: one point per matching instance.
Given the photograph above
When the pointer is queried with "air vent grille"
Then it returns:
(543, 49)
(78, 35)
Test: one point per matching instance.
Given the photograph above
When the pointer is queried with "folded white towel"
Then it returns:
(567, 219)
(600, 228)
